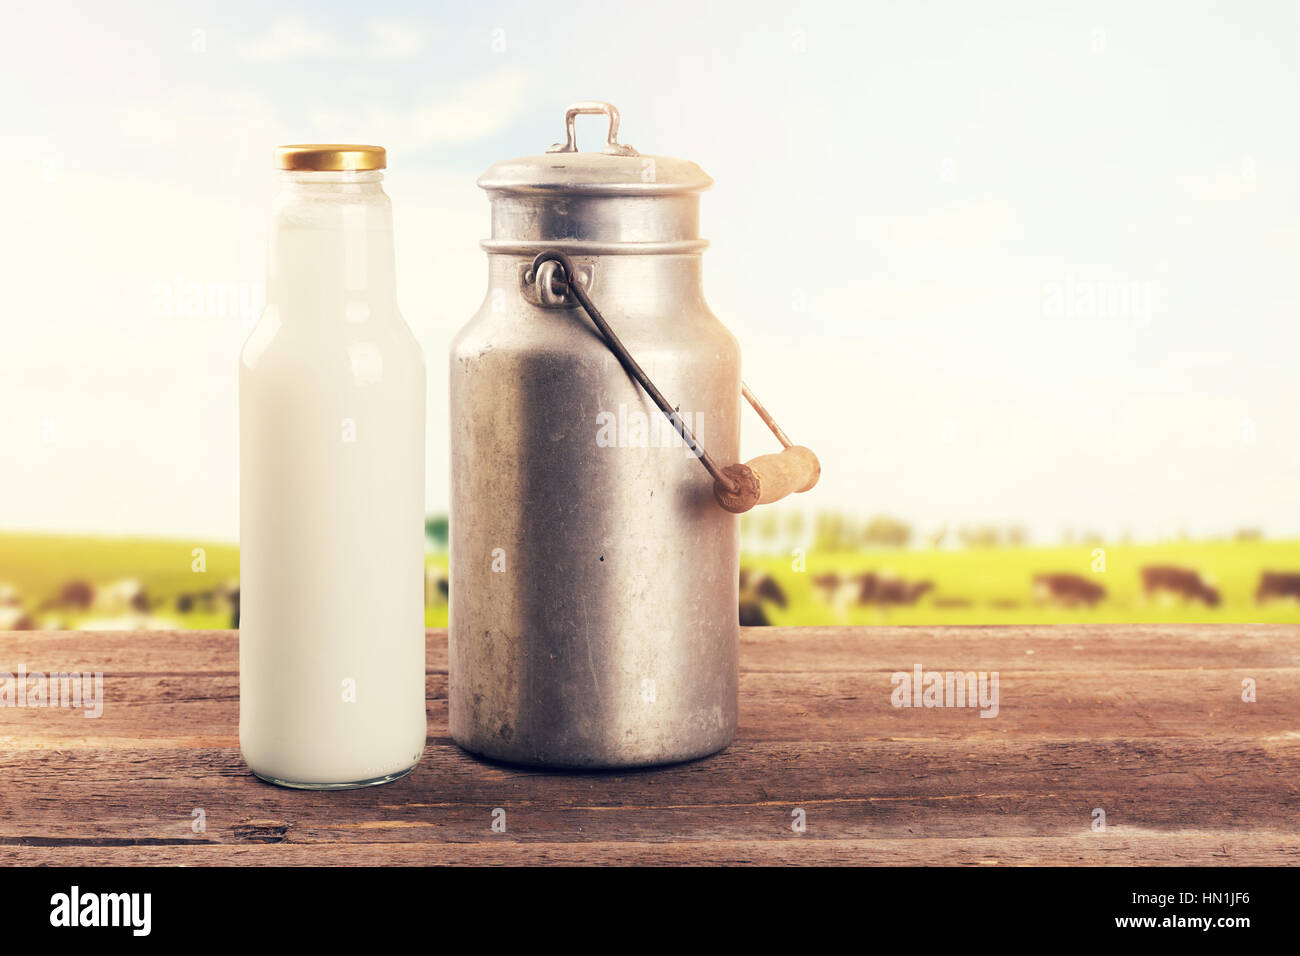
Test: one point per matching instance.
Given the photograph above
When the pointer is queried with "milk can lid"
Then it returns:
(618, 169)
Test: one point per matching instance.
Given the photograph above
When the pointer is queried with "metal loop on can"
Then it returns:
(612, 146)
(547, 285)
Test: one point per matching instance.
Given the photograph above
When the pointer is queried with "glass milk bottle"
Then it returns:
(331, 440)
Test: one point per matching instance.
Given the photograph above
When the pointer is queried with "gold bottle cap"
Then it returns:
(330, 157)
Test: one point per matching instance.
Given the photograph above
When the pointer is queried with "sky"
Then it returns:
(995, 263)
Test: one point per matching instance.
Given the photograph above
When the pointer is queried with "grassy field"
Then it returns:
(998, 583)
(38, 565)
(995, 583)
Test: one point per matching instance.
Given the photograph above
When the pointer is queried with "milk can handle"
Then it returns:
(739, 487)
(612, 146)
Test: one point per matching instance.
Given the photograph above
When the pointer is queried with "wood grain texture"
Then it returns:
(1145, 722)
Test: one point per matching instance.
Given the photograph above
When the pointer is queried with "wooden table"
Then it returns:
(1146, 723)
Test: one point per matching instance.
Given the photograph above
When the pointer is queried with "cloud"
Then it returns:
(392, 40)
(475, 111)
(293, 38)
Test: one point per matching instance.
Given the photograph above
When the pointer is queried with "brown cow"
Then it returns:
(752, 614)
(885, 589)
(766, 588)
(1187, 584)
(120, 598)
(756, 588)
(827, 585)
(903, 592)
(866, 587)
(763, 584)
(1277, 584)
(436, 587)
(75, 595)
(223, 597)
(1070, 590)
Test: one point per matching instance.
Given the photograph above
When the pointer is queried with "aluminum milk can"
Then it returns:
(593, 592)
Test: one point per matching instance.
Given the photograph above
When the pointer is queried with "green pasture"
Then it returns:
(38, 565)
(995, 584)
(998, 583)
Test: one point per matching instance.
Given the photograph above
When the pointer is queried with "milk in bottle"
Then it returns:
(332, 397)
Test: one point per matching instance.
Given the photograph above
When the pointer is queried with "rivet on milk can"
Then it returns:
(594, 538)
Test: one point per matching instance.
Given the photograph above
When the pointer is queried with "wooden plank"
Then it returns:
(1146, 722)
(203, 710)
(1088, 647)
(886, 790)
(1213, 848)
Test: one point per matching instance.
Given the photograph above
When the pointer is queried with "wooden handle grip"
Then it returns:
(768, 478)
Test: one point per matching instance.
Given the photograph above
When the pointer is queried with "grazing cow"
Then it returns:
(221, 598)
(1187, 584)
(762, 584)
(75, 595)
(827, 585)
(885, 589)
(120, 598)
(766, 588)
(839, 592)
(1278, 585)
(1070, 590)
(755, 589)
(895, 591)
(752, 614)
(436, 586)
(225, 596)
(10, 617)
(866, 587)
